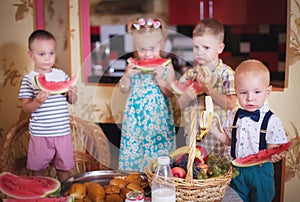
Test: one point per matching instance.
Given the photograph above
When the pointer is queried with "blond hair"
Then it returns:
(252, 67)
(209, 26)
(142, 29)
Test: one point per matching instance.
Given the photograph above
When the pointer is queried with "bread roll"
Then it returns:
(78, 190)
(95, 191)
(123, 193)
(135, 187)
(113, 198)
(134, 178)
(118, 182)
(112, 189)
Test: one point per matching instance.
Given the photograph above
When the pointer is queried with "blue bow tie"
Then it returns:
(241, 113)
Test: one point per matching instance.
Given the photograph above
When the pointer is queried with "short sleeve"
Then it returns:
(228, 81)
(275, 131)
(26, 90)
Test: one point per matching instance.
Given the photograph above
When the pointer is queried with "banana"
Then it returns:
(185, 150)
(181, 150)
(207, 117)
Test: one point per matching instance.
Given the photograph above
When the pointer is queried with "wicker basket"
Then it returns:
(91, 148)
(189, 189)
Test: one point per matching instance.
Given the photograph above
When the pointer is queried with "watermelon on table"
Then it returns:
(149, 65)
(264, 155)
(25, 187)
(56, 199)
(52, 86)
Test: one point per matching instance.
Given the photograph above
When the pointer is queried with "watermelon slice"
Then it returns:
(264, 155)
(179, 88)
(24, 187)
(149, 65)
(52, 86)
(58, 199)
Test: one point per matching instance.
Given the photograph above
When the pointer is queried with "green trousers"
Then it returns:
(255, 183)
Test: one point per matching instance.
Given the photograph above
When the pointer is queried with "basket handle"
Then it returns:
(192, 144)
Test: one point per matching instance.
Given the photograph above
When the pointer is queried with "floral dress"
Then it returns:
(148, 129)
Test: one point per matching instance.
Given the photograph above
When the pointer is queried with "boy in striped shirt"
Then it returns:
(50, 139)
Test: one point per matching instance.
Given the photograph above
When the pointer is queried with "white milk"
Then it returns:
(163, 195)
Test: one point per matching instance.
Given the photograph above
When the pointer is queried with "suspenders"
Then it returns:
(262, 136)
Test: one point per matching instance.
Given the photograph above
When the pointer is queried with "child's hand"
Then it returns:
(219, 133)
(42, 97)
(131, 70)
(72, 94)
(203, 85)
(189, 94)
(277, 157)
(72, 91)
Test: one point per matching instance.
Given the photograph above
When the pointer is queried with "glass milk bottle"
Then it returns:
(163, 185)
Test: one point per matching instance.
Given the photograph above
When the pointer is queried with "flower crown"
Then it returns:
(141, 22)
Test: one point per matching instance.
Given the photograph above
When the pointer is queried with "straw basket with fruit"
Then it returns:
(205, 184)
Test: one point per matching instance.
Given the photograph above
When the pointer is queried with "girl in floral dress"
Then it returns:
(148, 129)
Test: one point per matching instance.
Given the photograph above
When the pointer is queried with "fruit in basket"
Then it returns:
(58, 199)
(154, 166)
(202, 174)
(181, 152)
(52, 86)
(263, 155)
(178, 172)
(204, 153)
(148, 65)
(25, 187)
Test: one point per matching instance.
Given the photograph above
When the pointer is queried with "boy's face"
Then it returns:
(206, 49)
(42, 52)
(252, 90)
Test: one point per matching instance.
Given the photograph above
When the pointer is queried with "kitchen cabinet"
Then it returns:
(228, 11)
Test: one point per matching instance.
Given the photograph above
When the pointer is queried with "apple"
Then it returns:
(178, 172)
(204, 153)
(202, 166)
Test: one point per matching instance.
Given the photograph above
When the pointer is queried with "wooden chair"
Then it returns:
(91, 148)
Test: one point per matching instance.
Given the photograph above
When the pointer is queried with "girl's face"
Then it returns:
(148, 46)
(206, 49)
(42, 52)
(148, 52)
(252, 91)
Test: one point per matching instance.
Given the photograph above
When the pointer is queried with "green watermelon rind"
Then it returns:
(62, 86)
(7, 176)
(149, 69)
(267, 153)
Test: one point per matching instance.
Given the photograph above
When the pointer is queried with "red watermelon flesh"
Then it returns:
(24, 187)
(179, 88)
(52, 86)
(264, 155)
(58, 199)
(149, 65)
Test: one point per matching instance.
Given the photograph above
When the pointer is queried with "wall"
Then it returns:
(95, 101)
(14, 63)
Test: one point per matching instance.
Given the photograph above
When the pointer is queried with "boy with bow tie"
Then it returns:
(251, 128)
